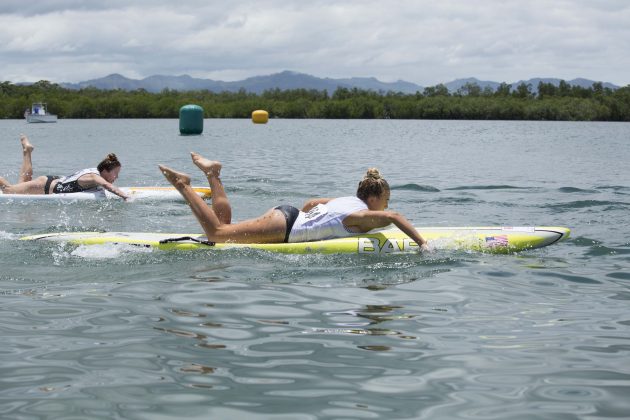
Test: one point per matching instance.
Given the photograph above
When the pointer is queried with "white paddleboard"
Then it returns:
(136, 193)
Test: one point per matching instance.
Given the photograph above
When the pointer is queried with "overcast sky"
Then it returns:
(422, 41)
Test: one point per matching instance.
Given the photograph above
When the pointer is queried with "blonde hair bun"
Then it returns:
(373, 173)
(373, 184)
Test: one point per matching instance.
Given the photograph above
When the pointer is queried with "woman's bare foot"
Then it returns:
(27, 147)
(207, 166)
(4, 183)
(178, 179)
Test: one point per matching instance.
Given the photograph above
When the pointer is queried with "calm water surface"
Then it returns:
(116, 332)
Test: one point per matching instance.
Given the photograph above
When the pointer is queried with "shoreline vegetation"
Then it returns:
(547, 102)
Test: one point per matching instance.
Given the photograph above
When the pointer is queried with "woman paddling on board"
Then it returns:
(102, 176)
(320, 218)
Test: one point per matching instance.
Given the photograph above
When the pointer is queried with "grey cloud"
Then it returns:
(29, 8)
(422, 41)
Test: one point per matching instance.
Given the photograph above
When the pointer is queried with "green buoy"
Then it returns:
(190, 119)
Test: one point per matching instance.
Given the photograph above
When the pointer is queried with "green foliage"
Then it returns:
(548, 102)
(503, 89)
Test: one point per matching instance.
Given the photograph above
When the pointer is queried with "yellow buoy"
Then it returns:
(260, 116)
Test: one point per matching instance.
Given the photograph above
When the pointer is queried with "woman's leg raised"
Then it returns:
(36, 186)
(206, 217)
(26, 171)
(26, 184)
(220, 203)
(268, 228)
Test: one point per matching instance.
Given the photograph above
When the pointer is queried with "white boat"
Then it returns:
(39, 114)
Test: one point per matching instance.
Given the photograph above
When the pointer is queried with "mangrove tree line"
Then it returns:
(546, 102)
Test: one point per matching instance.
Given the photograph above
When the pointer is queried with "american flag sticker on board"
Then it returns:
(497, 240)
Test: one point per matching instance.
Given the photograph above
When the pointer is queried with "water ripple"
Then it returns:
(486, 187)
(571, 190)
(587, 204)
(119, 332)
(415, 187)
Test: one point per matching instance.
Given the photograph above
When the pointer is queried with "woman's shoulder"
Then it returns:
(88, 171)
(347, 198)
(353, 203)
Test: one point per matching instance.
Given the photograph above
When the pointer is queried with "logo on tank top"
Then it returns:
(316, 212)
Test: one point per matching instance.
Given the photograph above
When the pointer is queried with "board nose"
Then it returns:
(562, 232)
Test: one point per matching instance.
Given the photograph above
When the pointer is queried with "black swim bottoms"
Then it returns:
(49, 180)
(291, 215)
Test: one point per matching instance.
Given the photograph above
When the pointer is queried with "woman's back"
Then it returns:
(325, 221)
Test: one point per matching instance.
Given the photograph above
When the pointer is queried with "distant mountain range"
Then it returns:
(585, 83)
(291, 80)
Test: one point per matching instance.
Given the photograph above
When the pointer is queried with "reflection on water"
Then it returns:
(126, 332)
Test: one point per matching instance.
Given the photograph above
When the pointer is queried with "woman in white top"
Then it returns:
(321, 218)
(103, 176)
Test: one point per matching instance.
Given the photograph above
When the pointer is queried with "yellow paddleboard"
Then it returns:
(499, 240)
